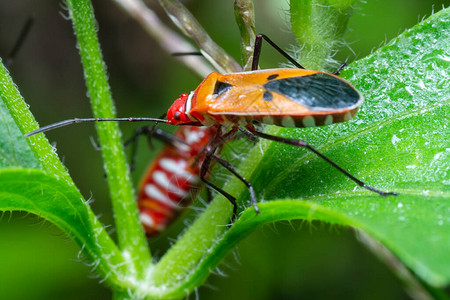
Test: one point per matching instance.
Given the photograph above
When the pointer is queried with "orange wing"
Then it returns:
(294, 92)
(253, 100)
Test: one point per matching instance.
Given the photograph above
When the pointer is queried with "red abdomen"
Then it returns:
(171, 181)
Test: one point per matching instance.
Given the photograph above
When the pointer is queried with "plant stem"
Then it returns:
(184, 256)
(318, 26)
(169, 40)
(244, 13)
(129, 231)
(413, 286)
(223, 62)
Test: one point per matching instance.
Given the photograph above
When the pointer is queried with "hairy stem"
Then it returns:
(244, 13)
(129, 231)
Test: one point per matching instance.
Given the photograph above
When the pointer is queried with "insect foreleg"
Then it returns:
(151, 132)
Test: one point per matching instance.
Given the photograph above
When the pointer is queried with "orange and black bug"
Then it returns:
(235, 102)
(282, 97)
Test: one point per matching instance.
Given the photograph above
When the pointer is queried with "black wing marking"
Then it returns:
(319, 91)
(221, 87)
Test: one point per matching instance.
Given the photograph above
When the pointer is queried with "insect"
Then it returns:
(282, 97)
(171, 180)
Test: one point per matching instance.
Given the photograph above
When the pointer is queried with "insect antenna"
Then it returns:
(76, 120)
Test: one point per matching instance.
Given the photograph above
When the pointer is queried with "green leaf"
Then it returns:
(399, 141)
(49, 193)
(36, 192)
(14, 151)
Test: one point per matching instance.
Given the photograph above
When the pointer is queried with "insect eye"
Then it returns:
(177, 116)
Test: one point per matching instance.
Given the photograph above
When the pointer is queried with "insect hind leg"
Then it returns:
(303, 144)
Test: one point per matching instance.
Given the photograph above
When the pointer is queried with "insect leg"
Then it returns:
(218, 140)
(230, 168)
(23, 35)
(204, 170)
(209, 155)
(150, 132)
(339, 69)
(250, 136)
(257, 52)
(300, 143)
(133, 141)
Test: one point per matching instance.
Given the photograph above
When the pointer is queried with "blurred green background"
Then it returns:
(282, 261)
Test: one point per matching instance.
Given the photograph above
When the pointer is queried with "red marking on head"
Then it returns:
(176, 115)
